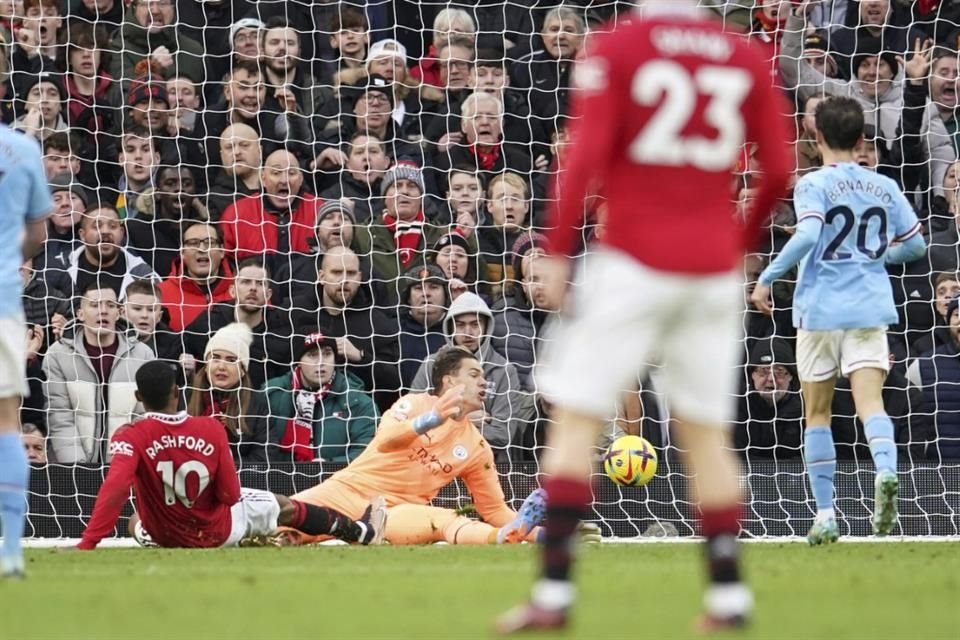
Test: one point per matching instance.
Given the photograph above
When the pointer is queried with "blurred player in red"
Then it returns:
(664, 105)
(186, 485)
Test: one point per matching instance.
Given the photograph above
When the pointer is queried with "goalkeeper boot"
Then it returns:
(886, 490)
(531, 515)
(530, 618)
(375, 521)
(823, 531)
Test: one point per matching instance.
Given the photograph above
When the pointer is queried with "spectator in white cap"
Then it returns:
(245, 38)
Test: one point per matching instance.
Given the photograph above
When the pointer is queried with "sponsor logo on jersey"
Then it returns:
(460, 452)
(120, 448)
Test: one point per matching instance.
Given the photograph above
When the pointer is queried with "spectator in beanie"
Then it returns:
(874, 21)
(452, 254)
(770, 413)
(321, 410)
(43, 105)
(423, 305)
(222, 388)
(469, 324)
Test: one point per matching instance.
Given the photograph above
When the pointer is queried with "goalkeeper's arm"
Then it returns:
(400, 433)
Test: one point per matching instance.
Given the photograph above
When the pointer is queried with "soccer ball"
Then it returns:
(630, 461)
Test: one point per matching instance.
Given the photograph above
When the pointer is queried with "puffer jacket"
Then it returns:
(83, 413)
(500, 425)
(135, 44)
(516, 334)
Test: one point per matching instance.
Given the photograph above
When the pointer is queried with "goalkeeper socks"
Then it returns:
(323, 521)
(879, 431)
(14, 476)
(821, 465)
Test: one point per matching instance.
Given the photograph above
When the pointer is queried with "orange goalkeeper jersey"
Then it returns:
(409, 469)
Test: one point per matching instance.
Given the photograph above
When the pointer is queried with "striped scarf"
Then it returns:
(406, 236)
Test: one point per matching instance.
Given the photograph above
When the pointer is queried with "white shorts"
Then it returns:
(623, 315)
(821, 355)
(255, 514)
(13, 357)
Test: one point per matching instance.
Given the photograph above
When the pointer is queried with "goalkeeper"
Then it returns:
(423, 443)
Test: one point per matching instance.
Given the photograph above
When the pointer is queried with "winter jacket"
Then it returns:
(251, 228)
(546, 83)
(41, 301)
(136, 269)
(516, 334)
(367, 201)
(384, 257)
(940, 384)
(884, 112)
(83, 413)
(133, 44)
(503, 385)
(765, 430)
(271, 352)
(368, 326)
(184, 299)
(156, 240)
(344, 422)
(225, 191)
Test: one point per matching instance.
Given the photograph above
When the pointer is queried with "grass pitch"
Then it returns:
(873, 591)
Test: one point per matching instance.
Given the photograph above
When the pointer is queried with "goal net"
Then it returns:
(362, 183)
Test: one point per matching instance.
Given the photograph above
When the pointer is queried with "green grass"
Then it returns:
(846, 591)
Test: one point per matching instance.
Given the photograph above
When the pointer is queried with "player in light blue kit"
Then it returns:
(24, 206)
(851, 222)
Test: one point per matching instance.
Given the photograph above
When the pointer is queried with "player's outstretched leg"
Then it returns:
(568, 501)
(14, 476)
(883, 448)
(313, 520)
(821, 461)
(531, 515)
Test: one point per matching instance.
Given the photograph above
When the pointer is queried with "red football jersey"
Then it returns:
(664, 106)
(184, 481)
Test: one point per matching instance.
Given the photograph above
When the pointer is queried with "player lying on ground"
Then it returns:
(186, 486)
(851, 222)
(665, 102)
(424, 442)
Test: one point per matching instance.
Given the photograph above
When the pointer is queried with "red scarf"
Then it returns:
(298, 436)
(406, 236)
(772, 29)
(486, 160)
(927, 7)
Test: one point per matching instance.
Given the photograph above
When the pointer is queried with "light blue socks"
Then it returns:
(879, 431)
(821, 465)
(14, 475)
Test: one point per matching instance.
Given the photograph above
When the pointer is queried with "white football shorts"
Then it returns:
(821, 355)
(13, 357)
(255, 514)
(623, 315)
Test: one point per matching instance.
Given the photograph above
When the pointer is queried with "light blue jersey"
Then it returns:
(847, 219)
(24, 195)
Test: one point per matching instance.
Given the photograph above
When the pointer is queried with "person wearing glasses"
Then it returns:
(201, 277)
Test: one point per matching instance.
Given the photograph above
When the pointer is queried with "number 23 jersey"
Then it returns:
(842, 282)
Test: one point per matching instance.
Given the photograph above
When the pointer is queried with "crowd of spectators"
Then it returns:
(299, 203)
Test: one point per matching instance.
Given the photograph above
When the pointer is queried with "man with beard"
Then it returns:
(286, 71)
(277, 221)
(242, 160)
(770, 413)
(155, 233)
(342, 306)
(102, 258)
(201, 278)
(367, 161)
(270, 352)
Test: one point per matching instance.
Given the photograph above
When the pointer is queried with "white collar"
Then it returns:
(176, 418)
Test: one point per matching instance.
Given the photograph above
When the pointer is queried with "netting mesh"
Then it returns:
(375, 171)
